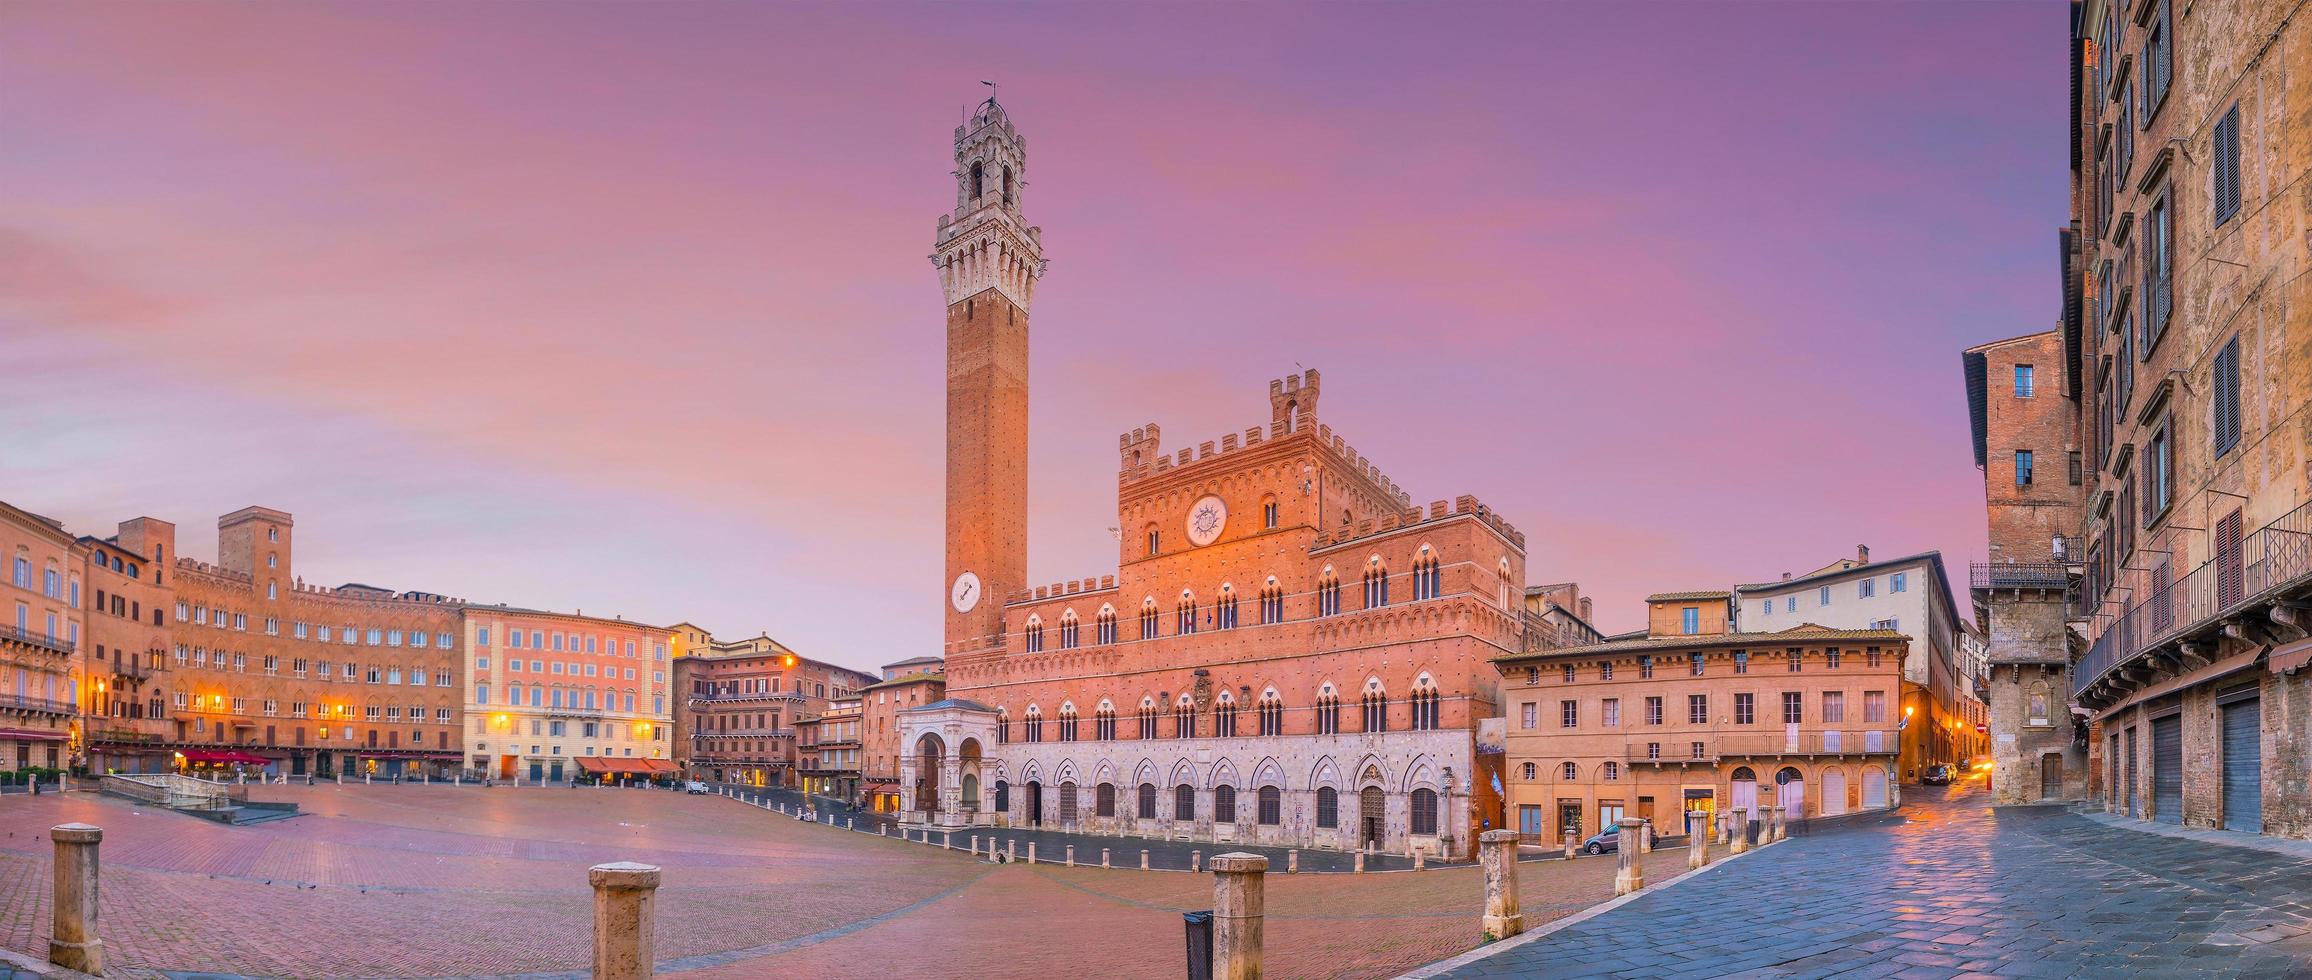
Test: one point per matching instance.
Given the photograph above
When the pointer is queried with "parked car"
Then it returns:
(1606, 841)
(694, 786)
(1936, 776)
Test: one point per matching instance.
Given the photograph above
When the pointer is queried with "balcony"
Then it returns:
(38, 641)
(1765, 745)
(2172, 628)
(42, 706)
(2021, 576)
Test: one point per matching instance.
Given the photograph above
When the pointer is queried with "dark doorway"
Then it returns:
(1373, 818)
(1035, 804)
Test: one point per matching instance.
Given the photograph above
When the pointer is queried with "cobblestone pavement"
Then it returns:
(1948, 887)
(412, 881)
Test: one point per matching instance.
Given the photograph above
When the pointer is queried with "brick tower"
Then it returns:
(989, 260)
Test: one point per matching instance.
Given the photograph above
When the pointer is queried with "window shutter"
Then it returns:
(2227, 189)
(2227, 397)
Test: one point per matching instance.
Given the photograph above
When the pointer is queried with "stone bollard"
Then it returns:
(1725, 827)
(850, 823)
(623, 919)
(883, 830)
(1420, 859)
(1646, 839)
(1697, 838)
(1143, 859)
(1292, 862)
(1011, 850)
(1631, 874)
(947, 840)
(1781, 824)
(1570, 848)
(1741, 830)
(1238, 896)
(1497, 850)
(1031, 852)
(1103, 857)
(1071, 855)
(1196, 861)
(365, 779)
(1360, 869)
(975, 845)
(73, 943)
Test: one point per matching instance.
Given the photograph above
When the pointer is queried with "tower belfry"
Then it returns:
(989, 261)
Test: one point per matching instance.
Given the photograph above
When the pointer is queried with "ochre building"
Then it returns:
(560, 695)
(1693, 716)
(1289, 651)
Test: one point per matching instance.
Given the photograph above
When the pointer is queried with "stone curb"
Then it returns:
(1496, 948)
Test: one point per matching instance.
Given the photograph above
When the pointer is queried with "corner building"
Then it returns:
(560, 695)
(1290, 651)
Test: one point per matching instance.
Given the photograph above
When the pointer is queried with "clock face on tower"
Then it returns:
(965, 595)
(1205, 519)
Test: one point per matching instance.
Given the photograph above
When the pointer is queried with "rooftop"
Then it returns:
(1803, 633)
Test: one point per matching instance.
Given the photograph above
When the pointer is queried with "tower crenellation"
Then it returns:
(986, 242)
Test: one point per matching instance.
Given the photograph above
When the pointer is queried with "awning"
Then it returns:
(2289, 656)
(31, 735)
(227, 757)
(639, 767)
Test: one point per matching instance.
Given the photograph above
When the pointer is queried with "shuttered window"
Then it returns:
(2227, 397)
(2227, 166)
(2159, 241)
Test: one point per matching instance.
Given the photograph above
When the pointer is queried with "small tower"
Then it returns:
(989, 260)
(1292, 402)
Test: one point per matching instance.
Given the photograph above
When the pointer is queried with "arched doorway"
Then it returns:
(1874, 788)
(970, 792)
(928, 752)
(1035, 803)
(1372, 818)
(1745, 795)
(968, 765)
(1790, 793)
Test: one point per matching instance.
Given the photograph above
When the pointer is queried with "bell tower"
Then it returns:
(989, 261)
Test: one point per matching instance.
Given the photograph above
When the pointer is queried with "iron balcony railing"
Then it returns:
(2274, 558)
(1876, 740)
(52, 644)
(2019, 575)
(19, 702)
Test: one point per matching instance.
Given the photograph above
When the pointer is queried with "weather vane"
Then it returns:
(990, 89)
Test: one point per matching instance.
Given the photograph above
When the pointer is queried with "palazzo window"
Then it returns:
(1067, 723)
(1328, 712)
(1329, 595)
(1271, 715)
(1068, 630)
(1104, 724)
(1224, 718)
(1105, 627)
(1147, 801)
(1224, 609)
(1376, 584)
(1224, 804)
(1376, 711)
(1186, 615)
(1147, 721)
(1272, 603)
(1184, 719)
(1148, 620)
(1428, 579)
(1184, 802)
(1271, 806)
(1328, 808)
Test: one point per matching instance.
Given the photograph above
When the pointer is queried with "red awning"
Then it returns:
(31, 735)
(229, 757)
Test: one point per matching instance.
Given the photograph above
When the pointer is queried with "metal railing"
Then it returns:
(1718, 747)
(2277, 556)
(21, 703)
(53, 644)
(2019, 575)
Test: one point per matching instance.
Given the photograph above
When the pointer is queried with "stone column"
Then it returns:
(623, 919)
(1697, 838)
(1741, 830)
(73, 943)
(1238, 895)
(1497, 850)
(1570, 847)
(1630, 875)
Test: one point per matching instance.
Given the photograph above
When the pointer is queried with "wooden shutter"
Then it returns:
(2227, 397)
(2227, 166)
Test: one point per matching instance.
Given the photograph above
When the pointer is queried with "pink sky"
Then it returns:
(625, 307)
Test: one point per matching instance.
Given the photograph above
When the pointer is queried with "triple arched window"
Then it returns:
(1067, 723)
(1187, 613)
(1271, 714)
(1148, 619)
(1035, 635)
(1184, 718)
(1068, 630)
(1328, 711)
(1104, 628)
(1329, 594)
(1104, 722)
(1148, 718)
(1224, 608)
(1034, 726)
(1376, 708)
(1424, 703)
(1272, 602)
(1376, 583)
(1224, 716)
(1428, 579)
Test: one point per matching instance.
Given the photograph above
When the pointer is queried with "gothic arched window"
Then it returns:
(1105, 627)
(1007, 185)
(1068, 630)
(1425, 811)
(978, 180)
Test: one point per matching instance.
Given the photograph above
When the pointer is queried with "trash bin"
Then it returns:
(1199, 944)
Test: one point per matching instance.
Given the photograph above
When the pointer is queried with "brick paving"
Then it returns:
(1949, 887)
(411, 881)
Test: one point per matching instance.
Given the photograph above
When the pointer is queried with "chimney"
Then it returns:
(1786, 576)
(1585, 609)
(1862, 554)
